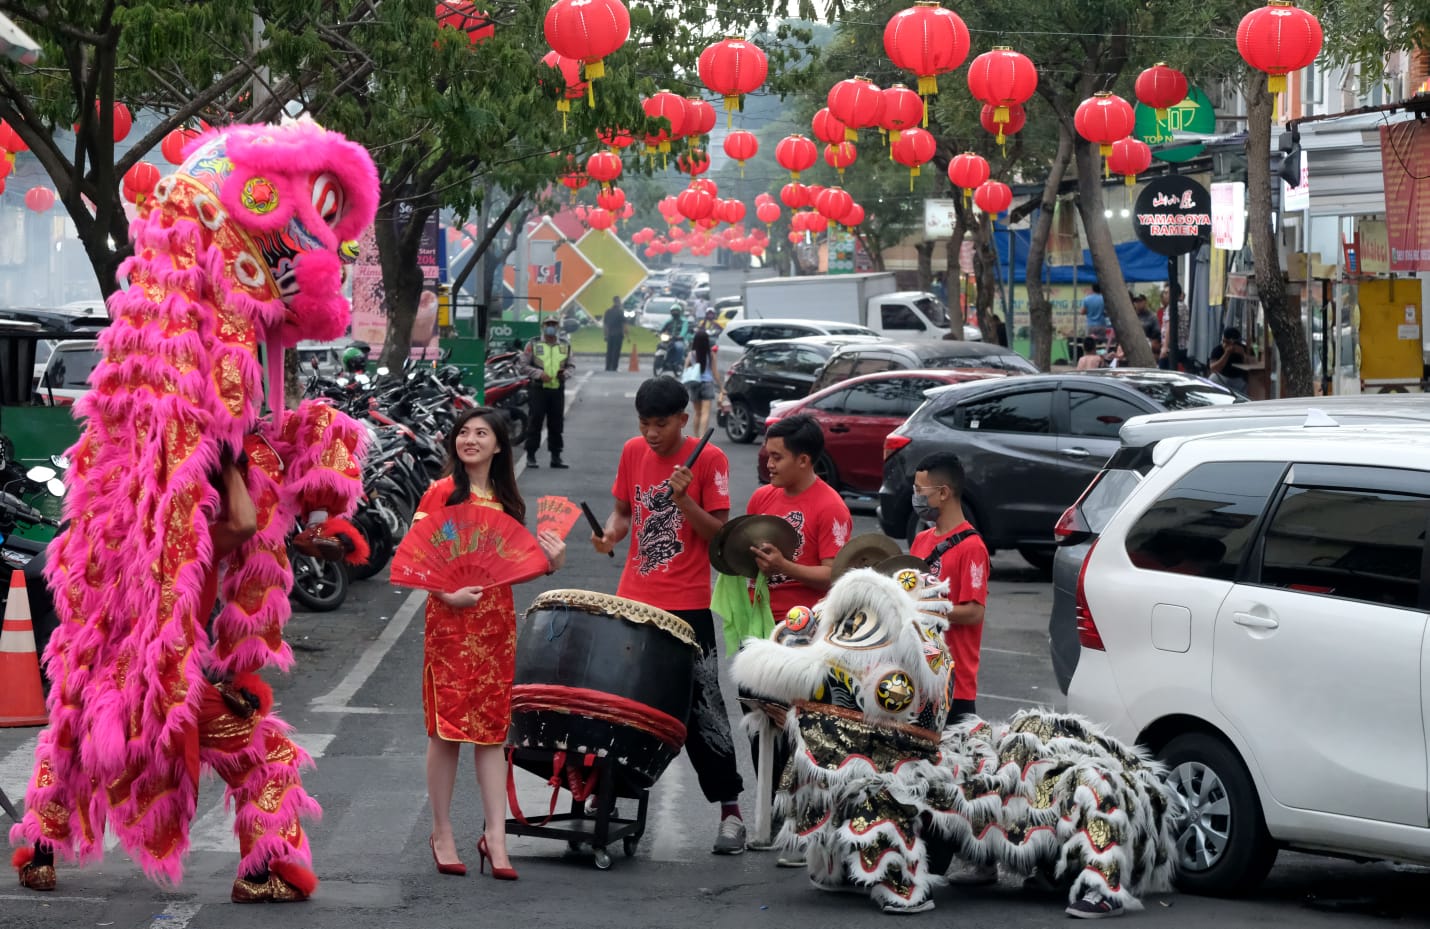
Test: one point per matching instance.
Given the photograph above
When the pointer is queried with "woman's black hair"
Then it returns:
(700, 345)
(503, 466)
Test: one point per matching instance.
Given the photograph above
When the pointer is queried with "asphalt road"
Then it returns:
(355, 704)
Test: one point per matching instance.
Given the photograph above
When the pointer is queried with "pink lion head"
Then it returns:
(303, 194)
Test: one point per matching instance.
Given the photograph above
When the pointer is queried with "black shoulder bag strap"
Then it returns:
(947, 544)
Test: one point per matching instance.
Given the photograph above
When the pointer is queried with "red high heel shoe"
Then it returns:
(456, 870)
(501, 874)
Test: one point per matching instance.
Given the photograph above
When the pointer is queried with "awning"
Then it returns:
(15, 44)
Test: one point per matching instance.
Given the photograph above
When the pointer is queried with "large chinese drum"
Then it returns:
(604, 676)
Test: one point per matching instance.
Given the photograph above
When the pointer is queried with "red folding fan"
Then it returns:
(557, 514)
(466, 546)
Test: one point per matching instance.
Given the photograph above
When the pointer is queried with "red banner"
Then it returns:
(1405, 164)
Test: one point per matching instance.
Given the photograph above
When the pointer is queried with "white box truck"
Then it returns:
(870, 299)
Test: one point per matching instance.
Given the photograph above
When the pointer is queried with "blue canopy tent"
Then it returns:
(1139, 263)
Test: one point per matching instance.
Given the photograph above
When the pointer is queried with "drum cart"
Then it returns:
(600, 829)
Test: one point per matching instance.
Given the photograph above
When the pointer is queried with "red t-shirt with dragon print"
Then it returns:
(668, 565)
(821, 517)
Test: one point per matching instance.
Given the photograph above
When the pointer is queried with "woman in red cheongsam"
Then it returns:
(469, 652)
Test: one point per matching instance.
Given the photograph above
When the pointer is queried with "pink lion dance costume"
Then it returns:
(241, 248)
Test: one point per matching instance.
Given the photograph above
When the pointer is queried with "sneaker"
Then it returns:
(730, 840)
(557, 463)
(531, 461)
(1094, 905)
(905, 909)
(974, 875)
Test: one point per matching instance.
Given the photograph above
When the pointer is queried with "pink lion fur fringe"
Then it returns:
(115, 641)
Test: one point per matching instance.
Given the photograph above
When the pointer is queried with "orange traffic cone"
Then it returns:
(635, 359)
(22, 699)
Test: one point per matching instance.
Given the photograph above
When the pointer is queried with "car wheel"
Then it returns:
(1222, 847)
(740, 423)
(1039, 557)
(824, 470)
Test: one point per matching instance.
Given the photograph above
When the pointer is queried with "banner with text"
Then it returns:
(1405, 166)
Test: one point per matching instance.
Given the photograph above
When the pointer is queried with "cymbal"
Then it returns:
(892, 566)
(863, 551)
(717, 550)
(742, 532)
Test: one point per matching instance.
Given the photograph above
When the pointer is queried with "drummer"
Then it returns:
(675, 511)
(816, 511)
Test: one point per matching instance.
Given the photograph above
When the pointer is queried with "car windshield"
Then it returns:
(933, 308)
(1184, 395)
(70, 368)
(849, 330)
(1005, 361)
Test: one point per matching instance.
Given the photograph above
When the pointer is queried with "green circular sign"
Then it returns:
(1194, 114)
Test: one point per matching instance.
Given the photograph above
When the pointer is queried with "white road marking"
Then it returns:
(337, 699)
(213, 830)
(663, 831)
(15, 770)
(1021, 701)
(176, 915)
(1010, 651)
(47, 899)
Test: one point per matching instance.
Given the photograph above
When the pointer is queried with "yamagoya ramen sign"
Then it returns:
(1173, 216)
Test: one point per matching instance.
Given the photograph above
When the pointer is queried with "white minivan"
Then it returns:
(738, 333)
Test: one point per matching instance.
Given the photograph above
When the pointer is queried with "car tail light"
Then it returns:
(894, 443)
(1072, 526)
(1087, 634)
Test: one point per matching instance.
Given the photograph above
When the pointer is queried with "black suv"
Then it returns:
(853, 360)
(771, 371)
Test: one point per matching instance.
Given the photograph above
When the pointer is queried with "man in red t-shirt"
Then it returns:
(956, 553)
(672, 512)
(816, 511)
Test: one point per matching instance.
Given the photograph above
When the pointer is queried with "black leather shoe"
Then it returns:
(558, 463)
(531, 461)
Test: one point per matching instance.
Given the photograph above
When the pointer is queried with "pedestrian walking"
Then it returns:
(671, 513)
(548, 362)
(613, 324)
(469, 646)
(701, 380)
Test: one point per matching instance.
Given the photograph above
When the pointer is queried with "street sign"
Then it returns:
(1194, 114)
(1173, 215)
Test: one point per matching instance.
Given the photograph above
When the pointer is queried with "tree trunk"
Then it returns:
(985, 269)
(925, 253)
(1104, 258)
(1040, 308)
(953, 272)
(401, 276)
(1292, 354)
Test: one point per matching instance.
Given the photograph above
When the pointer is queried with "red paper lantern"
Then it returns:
(903, 109)
(1161, 88)
(733, 211)
(123, 122)
(573, 87)
(10, 139)
(604, 167)
(816, 223)
(574, 181)
(795, 153)
(39, 199)
(174, 144)
(968, 171)
(463, 16)
(858, 103)
(600, 219)
(694, 162)
(833, 203)
(794, 196)
(2, 182)
(618, 139)
(1278, 38)
(840, 156)
(826, 128)
(139, 182)
(5, 165)
(1129, 158)
(699, 117)
(993, 197)
(670, 107)
(795, 237)
(707, 185)
(927, 40)
(1104, 118)
(613, 199)
(695, 204)
(854, 217)
(588, 31)
(733, 68)
(1017, 119)
(1002, 78)
(741, 146)
(914, 149)
(767, 213)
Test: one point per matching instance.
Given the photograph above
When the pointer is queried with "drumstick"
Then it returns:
(690, 463)
(596, 526)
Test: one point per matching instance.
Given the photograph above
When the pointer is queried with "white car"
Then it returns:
(65, 377)
(738, 333)
(1256, 615)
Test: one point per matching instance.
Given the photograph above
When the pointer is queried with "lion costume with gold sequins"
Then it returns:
(878, 794)
(242, 248)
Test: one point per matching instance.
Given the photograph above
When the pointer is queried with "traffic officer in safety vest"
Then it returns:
(548, 361)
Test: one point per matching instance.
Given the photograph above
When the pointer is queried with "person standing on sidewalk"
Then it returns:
(614, 326)
(671, 513)
(548, 361)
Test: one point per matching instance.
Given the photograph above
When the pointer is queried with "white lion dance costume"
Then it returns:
(876, 789)
(241, 248)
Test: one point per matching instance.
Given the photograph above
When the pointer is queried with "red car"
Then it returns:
(858, 414)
